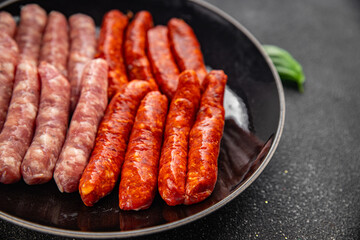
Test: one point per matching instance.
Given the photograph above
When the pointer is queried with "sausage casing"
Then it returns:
(7, 23)
(80, 138)
(29, 33)
(140, 169)
(8, 60)
(174, 152)
(55, 42)
(82, 50)
(18, 129)
(204, 140)
(110, 48)
(51, 124)
(186, 48)
(103, 170)
(162, 62)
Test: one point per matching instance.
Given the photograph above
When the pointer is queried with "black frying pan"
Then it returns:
(245, 151)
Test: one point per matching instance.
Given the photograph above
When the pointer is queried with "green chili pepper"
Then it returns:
(288, 68)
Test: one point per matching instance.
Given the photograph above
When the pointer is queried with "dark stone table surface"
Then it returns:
(310, 189)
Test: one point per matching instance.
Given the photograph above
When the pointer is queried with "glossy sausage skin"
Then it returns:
(8, 60)
(186, 48)
(55, 42)
(29, 33)
(7, 24)
(110, 48)
(18, 130)
(80, 138)
(140, 170)
(204, 141)
(173, 160)
(82, 50)
(137, 63)
(162, 62)
(103, 170)
(51, 124)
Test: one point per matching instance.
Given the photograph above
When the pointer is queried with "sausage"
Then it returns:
(140, 170)
(17, 133)
(82, 50)
(173, 160)
(103, 170)
(137, 63)
(204, 140)
(51, 124)
(186, 48)
(7, 23)
(29, 33)
(8, 60)
(80, 138)
(55, 42)
(162, 62)
(110, 48)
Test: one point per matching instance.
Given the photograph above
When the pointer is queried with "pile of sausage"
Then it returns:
(136, 105)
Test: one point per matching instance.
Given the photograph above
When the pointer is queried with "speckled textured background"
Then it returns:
(310, 189)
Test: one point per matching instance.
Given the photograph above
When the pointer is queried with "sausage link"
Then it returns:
(51, 124)
(173, 160)
(186, 48)
(18, 130)
(204, 141)
(82, 50)
(163, 64)
(8, 60)
(137, 63)
(108, 155)
(55, 42)
(29, 33)
(7, 23)
(80, 138)
(110, 48)
(140, 170)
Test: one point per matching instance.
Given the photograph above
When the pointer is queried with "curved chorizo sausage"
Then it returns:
(18, 130)
(51, 124)
(204, 141)
(29, 33)
(7, 23)
(55, 42)
(186, 48)
(110, 48)
(140, 170)
(103, 170)
(80, 138)
(174, 152)
(82, 50)
(137, 63)
(8, 60)
(162, 62)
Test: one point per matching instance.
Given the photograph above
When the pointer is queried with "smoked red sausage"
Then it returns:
(55, 42)
(29, 33)
(162, 62)
(204, 140)
(51, 124)
(186, 48)
(8, 60)
(174, 152)
(103, 170)
(140, 169)
(80, 138)
(137, 63)
(110, 48)
(7, 23)
(18, 129)
(82, 50)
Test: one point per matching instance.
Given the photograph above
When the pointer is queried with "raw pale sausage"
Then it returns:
(7, 24)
